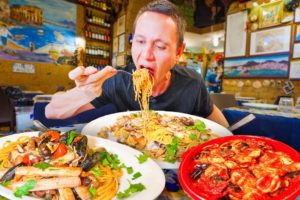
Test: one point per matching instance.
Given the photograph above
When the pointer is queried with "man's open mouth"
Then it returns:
(150, 70)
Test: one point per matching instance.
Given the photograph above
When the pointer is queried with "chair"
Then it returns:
(7, 112)
(223, 100)
(84, 117)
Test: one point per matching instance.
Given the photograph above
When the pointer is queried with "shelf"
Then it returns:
(96, 56)
(94, 7)
(95, 40)
(98, 25)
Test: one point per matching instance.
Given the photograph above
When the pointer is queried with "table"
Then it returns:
(273, 124)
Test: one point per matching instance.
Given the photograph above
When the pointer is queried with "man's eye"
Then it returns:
(161, 47)
(140, 41)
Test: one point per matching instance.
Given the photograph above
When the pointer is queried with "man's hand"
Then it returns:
(90, 79)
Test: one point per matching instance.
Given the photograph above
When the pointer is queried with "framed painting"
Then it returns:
(295, 70)
(121, 25)
(275, 66)
(297, 15)
(270, 14)
(236, 35)
(296, 51)
(270, 41)
(121, 43)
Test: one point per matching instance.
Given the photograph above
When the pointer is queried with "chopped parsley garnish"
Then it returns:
(24, 190)
(142, 158)
(109, 159)
(172, 149)
(129, 170)
(136, 175)
(42, 165)
(133, 188)
(97, 171)
(92, 191)
(193, 136)
(72, 135)
(123, 165)
(199, 126)
(6, 183)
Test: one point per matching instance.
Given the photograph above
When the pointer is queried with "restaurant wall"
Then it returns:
(266, 89)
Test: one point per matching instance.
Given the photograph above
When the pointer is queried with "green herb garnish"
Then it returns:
(199, 126)
(133, 188)
(172, 149)
(6, 183)
(92, 191)
(42, 165)
(24, 190)
(97, 171)
(193, 136)
(136, 175)
(109, 159)
(123, 165)
(72, 135)
(129, 170)
(142, 158)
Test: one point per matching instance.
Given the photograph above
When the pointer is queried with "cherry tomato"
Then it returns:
(26, 160)
(60, 151)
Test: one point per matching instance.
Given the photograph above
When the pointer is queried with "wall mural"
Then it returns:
(37, 30)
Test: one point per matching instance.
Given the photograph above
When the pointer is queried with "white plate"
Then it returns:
(245, 98)
(94, 126)
(261, 106)
(152, 177)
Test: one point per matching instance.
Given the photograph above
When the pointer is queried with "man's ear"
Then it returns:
(180, 51)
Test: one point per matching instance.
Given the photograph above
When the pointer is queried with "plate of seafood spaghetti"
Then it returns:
(164, 137)
(66, 166)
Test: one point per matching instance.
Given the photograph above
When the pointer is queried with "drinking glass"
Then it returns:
(297, 105)
(286, 104)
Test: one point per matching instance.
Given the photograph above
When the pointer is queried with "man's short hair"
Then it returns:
(166, 8)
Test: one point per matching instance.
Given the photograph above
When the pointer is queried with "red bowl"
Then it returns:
(187, 158)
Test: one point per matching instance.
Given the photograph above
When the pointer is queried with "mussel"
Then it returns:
(198, 170)
(81, 146)
(10, 174)
(66, 136)
(90, 162)
(43, 148)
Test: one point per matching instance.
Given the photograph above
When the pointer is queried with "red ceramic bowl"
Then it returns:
(185, 167)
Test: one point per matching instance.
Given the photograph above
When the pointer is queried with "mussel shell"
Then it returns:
(81, 146)
(10, 174)
(65, 136)
(90, 162)
(43, 148)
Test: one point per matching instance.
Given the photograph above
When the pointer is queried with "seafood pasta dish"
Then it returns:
(164, 137)
(243, 169)
(59, 166)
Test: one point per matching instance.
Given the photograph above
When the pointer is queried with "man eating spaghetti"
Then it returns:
(157, 45)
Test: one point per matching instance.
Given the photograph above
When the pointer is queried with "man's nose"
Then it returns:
(148, 52)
